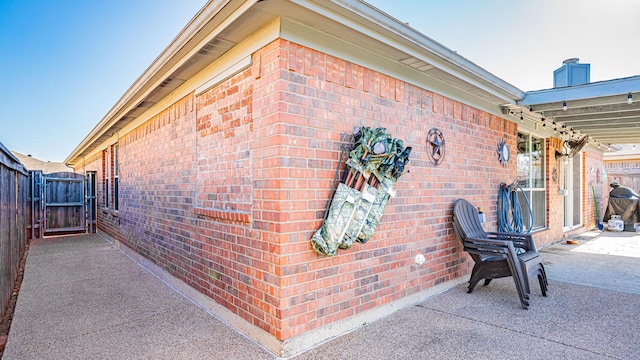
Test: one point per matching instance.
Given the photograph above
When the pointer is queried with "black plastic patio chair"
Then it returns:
(496, 254)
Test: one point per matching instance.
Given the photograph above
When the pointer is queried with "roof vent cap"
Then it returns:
(571, 73)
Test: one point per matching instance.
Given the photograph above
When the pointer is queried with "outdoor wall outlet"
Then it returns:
(482, 218)
(419, 259)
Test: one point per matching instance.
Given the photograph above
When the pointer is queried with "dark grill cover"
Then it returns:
(623, 201)
(623, 192)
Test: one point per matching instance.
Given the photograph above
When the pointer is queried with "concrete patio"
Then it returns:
(81, 298)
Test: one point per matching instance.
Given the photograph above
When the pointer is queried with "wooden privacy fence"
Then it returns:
(14, 210)
(626, 173)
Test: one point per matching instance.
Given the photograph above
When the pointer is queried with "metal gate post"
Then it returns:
(36, 204)
(90, 200)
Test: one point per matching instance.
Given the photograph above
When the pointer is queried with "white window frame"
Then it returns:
(573, 193)
(106, 164)
(527, 187)
(116, 176)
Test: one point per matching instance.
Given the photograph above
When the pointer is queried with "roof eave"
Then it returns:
(135, 93)
(457, 65)
(598, 89)
(363, 13)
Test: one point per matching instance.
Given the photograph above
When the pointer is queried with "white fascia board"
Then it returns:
(143, 82)
(586, 91)
(412, 42)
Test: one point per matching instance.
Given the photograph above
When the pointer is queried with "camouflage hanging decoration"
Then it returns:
(375, 162)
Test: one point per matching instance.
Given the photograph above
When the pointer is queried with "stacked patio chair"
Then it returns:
(497, 254)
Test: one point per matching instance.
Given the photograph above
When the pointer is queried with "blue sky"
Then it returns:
(523, 41)
(65, 63)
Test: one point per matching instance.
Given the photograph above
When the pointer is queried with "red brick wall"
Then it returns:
(225, 125)
(231, 183)
(107, 220)
(592, 175)
(224, 190)
(313, 100)
(157, 181)
(555, 202)
(156, 187)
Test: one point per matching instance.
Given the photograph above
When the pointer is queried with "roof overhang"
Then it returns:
(607, 111)
(367, 27)
(222, 24)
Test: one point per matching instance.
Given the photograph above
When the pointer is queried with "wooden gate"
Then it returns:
(63, 203)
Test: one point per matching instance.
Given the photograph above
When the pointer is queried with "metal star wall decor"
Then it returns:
(435, 146)
(503, 153)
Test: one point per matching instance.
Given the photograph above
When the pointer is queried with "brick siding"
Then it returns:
(224, 190)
